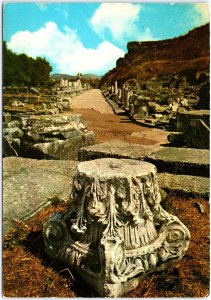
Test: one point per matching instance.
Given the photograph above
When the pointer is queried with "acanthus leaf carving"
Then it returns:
(120, 230)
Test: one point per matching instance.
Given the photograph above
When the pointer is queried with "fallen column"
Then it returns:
(115, 231)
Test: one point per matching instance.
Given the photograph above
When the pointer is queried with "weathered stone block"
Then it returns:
(61, 149)
(115, 231)
(198, 134)
(116, 150)
(182, 161)
(176, 138)
(7, 117)
(30, 184)
(55, 137)
(14, 132)
(183, 118)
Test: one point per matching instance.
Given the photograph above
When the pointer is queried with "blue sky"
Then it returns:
(89, 37)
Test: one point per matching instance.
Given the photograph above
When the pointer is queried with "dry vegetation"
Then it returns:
(188, 51)
(29, 272)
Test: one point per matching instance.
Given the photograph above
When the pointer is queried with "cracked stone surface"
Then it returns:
(29, 184)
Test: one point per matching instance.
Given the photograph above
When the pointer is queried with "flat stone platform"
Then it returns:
(187, 161)
(173, 160)
(30, 184)
(192, 186)
(116, 150)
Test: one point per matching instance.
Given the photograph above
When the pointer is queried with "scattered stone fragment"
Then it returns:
(8, 149)
(200, 207)
(176, 138)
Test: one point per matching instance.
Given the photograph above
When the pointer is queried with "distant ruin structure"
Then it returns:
(115, 231)
(71, 84)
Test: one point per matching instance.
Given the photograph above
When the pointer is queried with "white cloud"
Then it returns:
(65, 50)
(198, 14)
(120, 20)
(202, 9)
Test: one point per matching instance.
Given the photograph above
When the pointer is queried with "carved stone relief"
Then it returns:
(115, 229)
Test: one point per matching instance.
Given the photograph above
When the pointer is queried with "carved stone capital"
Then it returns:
(115, 231)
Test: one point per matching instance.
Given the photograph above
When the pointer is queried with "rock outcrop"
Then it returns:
(145, 60)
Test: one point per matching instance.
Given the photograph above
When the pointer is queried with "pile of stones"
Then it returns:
(32, 126)
(157, 101)
(49, 137)
(176, 103)
(39, 101)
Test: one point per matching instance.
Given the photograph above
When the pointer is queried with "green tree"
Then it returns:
(41, 72)
(23, 70)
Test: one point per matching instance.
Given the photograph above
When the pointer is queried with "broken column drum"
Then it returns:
(120, 94)
(115, 231)
(115, 88)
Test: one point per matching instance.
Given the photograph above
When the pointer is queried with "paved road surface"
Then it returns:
(92, 99)
(107, 126)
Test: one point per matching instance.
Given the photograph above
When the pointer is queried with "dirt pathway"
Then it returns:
(92, 99)
(107, 126)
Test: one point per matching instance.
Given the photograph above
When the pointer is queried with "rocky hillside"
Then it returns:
(145, 60)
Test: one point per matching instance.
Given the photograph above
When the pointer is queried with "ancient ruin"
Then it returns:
(115, 231)
(98, 188)
(157, 103)
(33, 126)
(155, 82)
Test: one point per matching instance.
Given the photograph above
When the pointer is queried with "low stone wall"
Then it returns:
(37, 101)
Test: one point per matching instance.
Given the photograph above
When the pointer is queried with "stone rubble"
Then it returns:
(49, 137)
(166, 102)
(30, 101)
(24, 107)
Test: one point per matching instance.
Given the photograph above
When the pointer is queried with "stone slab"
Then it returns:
(175, 160)
(55, 137)
(117, 110)
(167, 159)
(28, 184)
(116, 149)
(193, 186)
(60, 149)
